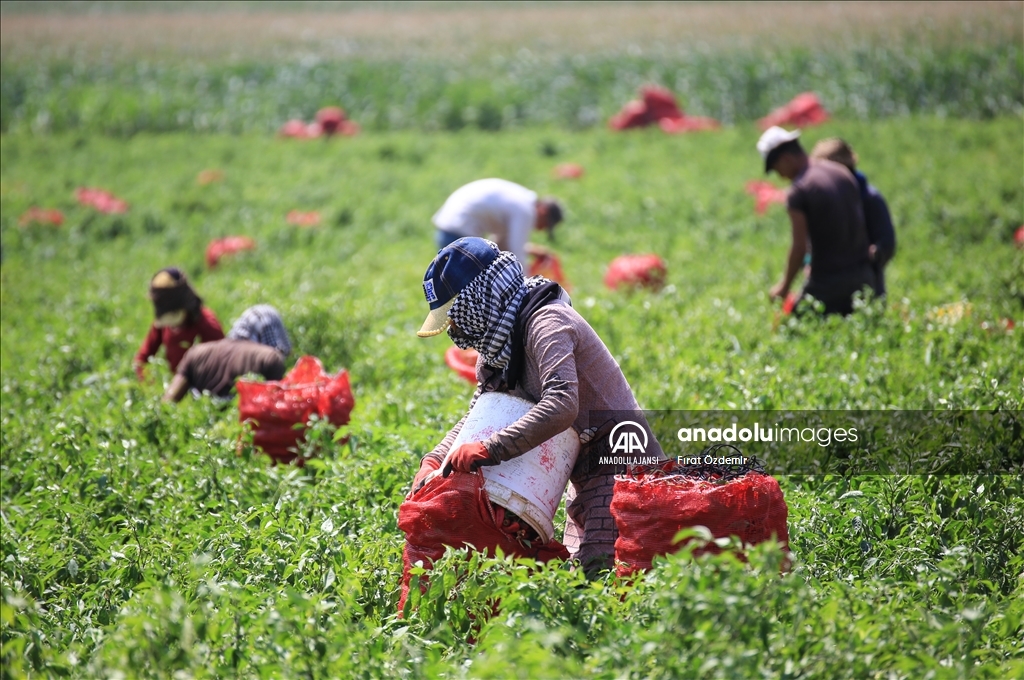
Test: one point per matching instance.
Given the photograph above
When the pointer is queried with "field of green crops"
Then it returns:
(136, 542)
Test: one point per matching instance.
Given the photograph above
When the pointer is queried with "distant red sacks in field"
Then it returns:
(332, 121)
(765, 193)
(101, 200)
(633, 115)
(303, 219)
(36, 215)
(463, 362)
(688, 124)
(635, 271)
(209, 176)
(567, 171)
(226, 246)
(1018, 236)
(658, 105)
(804, 110)
(550, 267)
(293, 128)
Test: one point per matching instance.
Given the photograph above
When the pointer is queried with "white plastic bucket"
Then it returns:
(529, 485)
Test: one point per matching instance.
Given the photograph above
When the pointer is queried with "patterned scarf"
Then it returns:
(485, 311)
(262, 324)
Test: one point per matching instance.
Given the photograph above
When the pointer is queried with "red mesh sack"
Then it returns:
(36, 215)
(275, 407)
(660, 103)
(764, 193)
(550, 267)
(226, 246)
(635, 271)
(101, 200)
(650, 509)
(634, 114)
(805, 109)
(463, 362)
(567, 171)
(457, 511)
(688, 124)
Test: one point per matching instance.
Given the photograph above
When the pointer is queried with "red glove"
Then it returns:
(428, 465)
(467, 458)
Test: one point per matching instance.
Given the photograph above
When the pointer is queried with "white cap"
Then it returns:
(773, 138)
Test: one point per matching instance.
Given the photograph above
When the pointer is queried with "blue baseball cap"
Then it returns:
(451, 271)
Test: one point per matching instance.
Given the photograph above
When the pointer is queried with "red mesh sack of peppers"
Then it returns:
(275, 407)
(651, 504)
(458, 512)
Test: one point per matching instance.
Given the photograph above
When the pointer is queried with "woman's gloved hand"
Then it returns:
(427, 466)
(467, 458)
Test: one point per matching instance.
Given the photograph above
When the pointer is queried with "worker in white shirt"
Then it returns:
(499, 210)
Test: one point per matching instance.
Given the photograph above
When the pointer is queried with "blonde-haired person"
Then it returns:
(881, 233)
(180, 320)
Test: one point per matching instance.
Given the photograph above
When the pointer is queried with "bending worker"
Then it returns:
(257, 343)
(534, 345)
(181, 320)
(498, 209)
(827, 218)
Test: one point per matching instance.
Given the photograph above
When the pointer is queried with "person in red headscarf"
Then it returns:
(181, 320)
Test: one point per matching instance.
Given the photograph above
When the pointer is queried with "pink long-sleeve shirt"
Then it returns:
(177, 340)
(568, 375)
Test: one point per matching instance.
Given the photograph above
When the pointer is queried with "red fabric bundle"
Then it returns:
(276, 407)
(633, 115)
(463, 362)
(302, 219)
(567, 171)
(650, 510)
(688, 124)
(805, 109)
(330, 121)
(101, 200)
(1018, 236)
(765, 193)
(457, 511)
(36, 215)
(226, 246)
(550, 267)
(293, 128)
(635, 271)
(658, 105)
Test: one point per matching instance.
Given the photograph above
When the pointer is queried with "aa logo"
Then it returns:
(628, 437)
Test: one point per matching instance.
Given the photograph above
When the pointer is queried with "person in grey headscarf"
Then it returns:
(534, 345)
(257, 343)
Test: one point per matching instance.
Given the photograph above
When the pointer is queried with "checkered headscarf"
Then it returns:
(262, 324)
(485, 311)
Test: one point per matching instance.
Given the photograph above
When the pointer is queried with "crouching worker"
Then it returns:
(533, 345)
(181, 320)
(258, 343)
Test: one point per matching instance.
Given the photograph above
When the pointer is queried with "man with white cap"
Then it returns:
(534, 345)
(827, 218)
